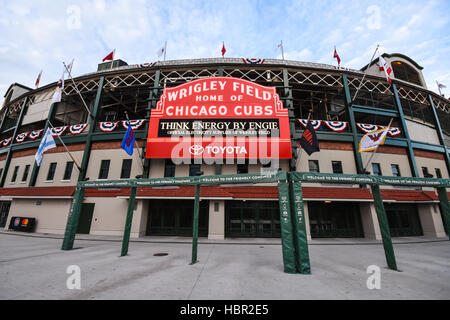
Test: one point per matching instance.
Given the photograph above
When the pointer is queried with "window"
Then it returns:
(68, 170)
(376, 168)
(104, 169)
(337, 166)
(126, 168)
(51, 171)
(25, 172)
(313, 166)
(242, 168)
(425, 172)
(438, 173)
(169, 170)
(14, 176)
(395, 170)
(194, 170)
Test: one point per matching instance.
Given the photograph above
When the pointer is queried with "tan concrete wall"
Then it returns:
(422, 133)
(431, 164)
(431, 221)
(216, 229)
(109, 216)
(61, 159)
(51, 215)
(369, 221)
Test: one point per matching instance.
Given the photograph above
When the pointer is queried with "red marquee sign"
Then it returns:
(219, 117)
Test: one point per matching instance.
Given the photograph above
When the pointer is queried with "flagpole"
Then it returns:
(112, 61)
(76, 163)
(165, 50)
(364, 75)
(76, 89)
(135, 141)
(439, 88)
(282, 49)
(375, 151)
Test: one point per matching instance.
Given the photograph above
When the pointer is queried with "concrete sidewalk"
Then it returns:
(33, 267)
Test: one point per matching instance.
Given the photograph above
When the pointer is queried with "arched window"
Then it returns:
(405, 72)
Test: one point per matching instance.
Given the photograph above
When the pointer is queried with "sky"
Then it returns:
(40, 35)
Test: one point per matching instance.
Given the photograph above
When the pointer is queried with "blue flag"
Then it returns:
(128, 140)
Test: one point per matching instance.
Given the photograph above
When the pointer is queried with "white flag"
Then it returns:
(370, 141)
(69, 67)
(47, 143)
(161, 51)
(441, 85)
(58, 91)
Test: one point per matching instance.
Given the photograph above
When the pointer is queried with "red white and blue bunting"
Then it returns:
(253, 60)
(336, 126)
(135, 124)
(58, 131)
(6, 141)
(146, 65)
(366, 128)
(21, 137)
(35, 134)
(108, 126)
(393, 131)
(77, 128)
(315, 123)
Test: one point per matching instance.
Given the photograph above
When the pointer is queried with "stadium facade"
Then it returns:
(417, 146)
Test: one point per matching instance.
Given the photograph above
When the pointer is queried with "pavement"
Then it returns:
(32, 266)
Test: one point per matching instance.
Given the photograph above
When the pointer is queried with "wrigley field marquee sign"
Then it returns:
(219, 117)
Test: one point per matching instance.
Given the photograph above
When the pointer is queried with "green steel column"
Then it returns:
(128, 222)
(16, 130)
(74, 216)
(287, 240)
(300, 237)
(195, 224)
(151, 104)
(439, 132)
(411, 157)
(72, 220)
(289, 105)
(384, 227)
(4, 118)
(35, 170)
(351, 115)
(445, 207)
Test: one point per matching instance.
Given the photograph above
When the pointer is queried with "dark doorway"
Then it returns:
(335, 220)
(403, 219)
(4, 211)
(174, 218)
(84, 224)
(260, 219)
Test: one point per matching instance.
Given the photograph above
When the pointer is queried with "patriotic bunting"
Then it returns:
(336, 126)
(56, 132)
(253, 60)
(7, 141)
(146, 65)
(77, 128)
(135, 124)
(35, 134)
(107, 126)
(315, 123)
(393, 132)
(366, 128)
(21, 137)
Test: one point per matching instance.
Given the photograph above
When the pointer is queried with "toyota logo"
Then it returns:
(196, 150)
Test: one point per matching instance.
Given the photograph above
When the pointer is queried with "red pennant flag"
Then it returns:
(38, 79)
(109, 57)
(337, 56)
(384, 66)
(223, 49)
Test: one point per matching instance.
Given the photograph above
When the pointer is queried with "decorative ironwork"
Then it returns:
(314, 78)
(129, 80)
(370, 85)
(186, 75)
(442, 104)
(255, 75)
(413, 95)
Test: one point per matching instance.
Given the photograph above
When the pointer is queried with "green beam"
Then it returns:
(299, 222)
(411, 157)
(287, 240)
(374, 111)
(16, 130)
(352, 122)
(445, 208)
(128, 222)
(72, 220)
(384, 227)
(195, 224)
(153, 95)
(439, 132)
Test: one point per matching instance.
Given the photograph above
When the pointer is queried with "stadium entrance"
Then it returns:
(260, 219)
(174, 218)
(403, 220)
(335, 220)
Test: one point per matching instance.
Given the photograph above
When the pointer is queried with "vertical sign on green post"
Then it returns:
(72, 220)
(300, 238)
(286, 228)
(195, 224)
(128, 222)
(445, 207)
(384, 227)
